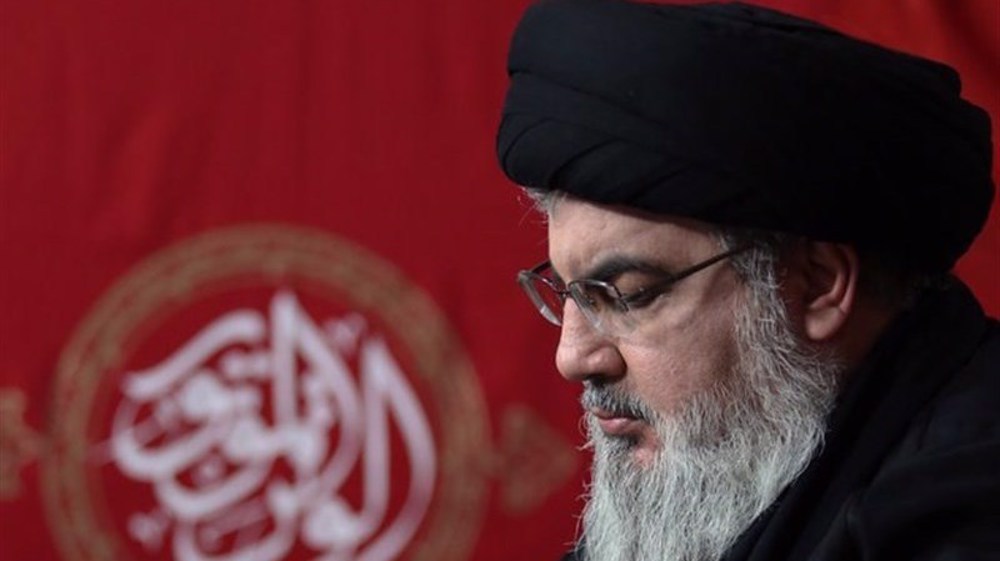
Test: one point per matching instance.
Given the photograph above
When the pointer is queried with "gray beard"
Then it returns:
(726, 454)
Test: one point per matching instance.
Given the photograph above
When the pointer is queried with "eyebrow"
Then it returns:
(616, 265)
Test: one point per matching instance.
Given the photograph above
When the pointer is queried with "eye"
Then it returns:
(599, 296)
(646, 295)
(633, 282)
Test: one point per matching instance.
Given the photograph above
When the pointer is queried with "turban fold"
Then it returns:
(741, 116)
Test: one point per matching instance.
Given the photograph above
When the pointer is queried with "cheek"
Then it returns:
(687, 360)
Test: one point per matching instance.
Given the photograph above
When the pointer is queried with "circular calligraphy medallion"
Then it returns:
(265, 393)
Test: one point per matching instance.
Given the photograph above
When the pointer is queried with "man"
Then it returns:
(751, 221)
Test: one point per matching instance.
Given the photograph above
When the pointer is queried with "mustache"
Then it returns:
(616, 401)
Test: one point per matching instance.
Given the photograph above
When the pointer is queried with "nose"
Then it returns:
(583, 352)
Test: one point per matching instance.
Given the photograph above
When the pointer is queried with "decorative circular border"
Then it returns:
(271, 251)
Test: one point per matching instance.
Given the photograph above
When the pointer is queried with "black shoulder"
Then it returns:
(938, 495)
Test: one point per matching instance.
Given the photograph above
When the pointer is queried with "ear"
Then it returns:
(828, 273)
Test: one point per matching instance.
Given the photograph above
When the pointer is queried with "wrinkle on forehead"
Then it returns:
(583, 233)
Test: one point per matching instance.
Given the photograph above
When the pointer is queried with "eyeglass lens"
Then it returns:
(544, 296)
(595, 299)
(601, 302)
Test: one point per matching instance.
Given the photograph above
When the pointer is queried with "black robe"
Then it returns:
(911, 465)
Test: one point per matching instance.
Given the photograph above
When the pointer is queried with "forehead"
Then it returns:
(583, 233)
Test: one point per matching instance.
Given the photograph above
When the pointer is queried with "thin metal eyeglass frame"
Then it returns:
(622, 302)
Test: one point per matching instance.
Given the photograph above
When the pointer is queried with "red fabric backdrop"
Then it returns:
(166, 165)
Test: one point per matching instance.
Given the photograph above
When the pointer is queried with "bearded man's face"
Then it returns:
(699, 414)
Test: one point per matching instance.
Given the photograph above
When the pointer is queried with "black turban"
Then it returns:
(741, 116)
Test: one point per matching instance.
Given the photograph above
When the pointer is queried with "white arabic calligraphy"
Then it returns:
(196, 428)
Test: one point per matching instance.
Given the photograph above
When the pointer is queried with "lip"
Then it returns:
(615, 424)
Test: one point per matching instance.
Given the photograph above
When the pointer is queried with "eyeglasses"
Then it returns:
(602, 303)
